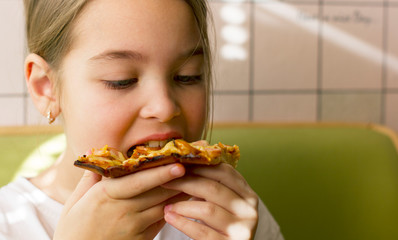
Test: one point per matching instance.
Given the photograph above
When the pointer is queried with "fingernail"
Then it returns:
(168, 208)
(170, 217)
(177, 170)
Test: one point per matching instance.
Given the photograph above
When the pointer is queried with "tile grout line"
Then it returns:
(324, 2)
(319, 94)
(384, 64)
(305, 91)
(251, 62)
(26, 93)
(13, 95)
(25, 110)
(352, 4)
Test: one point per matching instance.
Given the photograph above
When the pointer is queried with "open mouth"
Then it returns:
(153, 145)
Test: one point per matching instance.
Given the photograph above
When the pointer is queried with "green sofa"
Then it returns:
(320, 181)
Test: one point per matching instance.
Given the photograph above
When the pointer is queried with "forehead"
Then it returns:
(149, 26)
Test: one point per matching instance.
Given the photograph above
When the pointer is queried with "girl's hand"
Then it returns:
(224, 204)
(129, 207)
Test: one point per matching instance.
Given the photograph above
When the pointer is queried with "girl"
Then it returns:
(123, 73)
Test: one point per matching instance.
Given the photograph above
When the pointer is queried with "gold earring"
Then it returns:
(50, 119)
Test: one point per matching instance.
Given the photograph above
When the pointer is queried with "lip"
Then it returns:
(159, 137)
(154, 137)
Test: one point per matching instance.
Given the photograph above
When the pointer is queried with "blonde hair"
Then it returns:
(49, 26)
(203, 16)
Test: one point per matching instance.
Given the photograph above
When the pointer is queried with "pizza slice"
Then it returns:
(110, 162)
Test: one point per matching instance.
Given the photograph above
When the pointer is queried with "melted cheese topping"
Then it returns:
(109, 157)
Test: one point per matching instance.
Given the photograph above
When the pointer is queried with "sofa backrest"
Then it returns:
(322, 181)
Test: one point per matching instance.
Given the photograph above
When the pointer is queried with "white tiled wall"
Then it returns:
(232, 23)
(354, 107)
(12, 111)
(317, 60)
(238, 110)
(308, 60)
(352, 48)
(392, 48)
(284, 107)
(12, 88)
(11, 47)
(391, 110)
(285, 49)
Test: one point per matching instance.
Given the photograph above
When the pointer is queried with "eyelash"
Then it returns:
(121, 84)
(124, 84)
(188, 79)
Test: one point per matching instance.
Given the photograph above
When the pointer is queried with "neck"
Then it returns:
(59, 180)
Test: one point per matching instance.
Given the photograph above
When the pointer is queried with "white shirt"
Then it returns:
(26, 212)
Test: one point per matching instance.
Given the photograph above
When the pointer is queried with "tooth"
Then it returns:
(157, 143)
(153, 143)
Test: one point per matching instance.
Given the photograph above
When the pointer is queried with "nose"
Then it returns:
(160, 103)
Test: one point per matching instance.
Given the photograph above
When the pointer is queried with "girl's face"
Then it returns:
(133, 75)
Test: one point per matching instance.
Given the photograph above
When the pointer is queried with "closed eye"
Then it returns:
(120, 84)
(188, 79)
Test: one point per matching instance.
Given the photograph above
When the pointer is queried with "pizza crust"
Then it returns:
(111, 163)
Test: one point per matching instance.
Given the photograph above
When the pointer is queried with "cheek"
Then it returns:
(91, 119)
(81, 122)
(195, 109)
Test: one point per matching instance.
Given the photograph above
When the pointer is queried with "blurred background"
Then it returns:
(277, 61)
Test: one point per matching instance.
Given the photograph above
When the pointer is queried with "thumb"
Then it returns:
(88, 180)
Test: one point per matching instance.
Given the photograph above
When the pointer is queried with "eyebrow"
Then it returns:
(132, 55)
(117, 54)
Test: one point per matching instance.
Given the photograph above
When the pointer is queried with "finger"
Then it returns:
(142, 181)
(153, 230)
(228, 176)
(214, 192)
(209, 213)
(149, 216)
(178, 198)
(88, 180)
(192, 229)
(152, 197)
(154, 214)
(203, 188)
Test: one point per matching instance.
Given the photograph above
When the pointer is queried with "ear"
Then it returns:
(40, 82)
